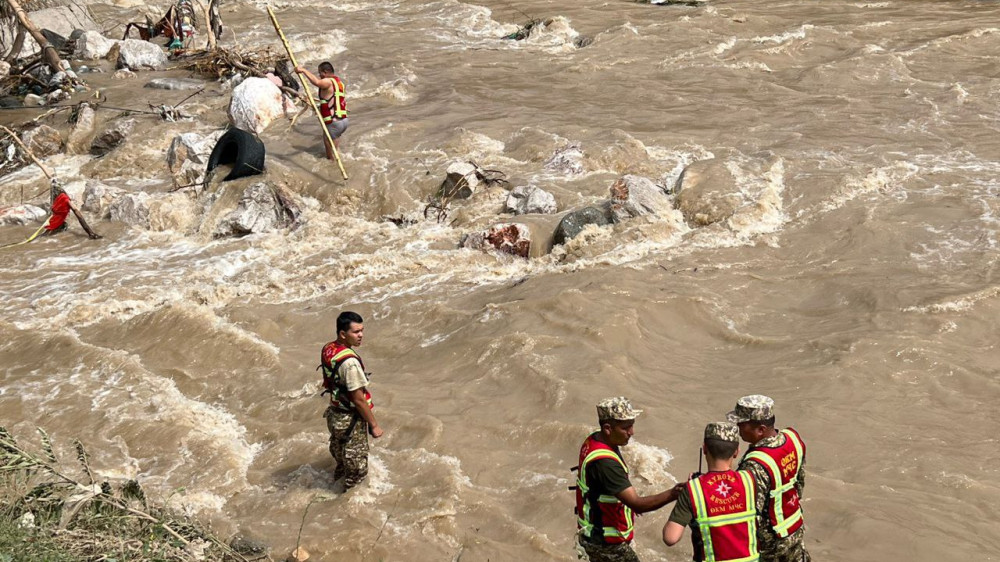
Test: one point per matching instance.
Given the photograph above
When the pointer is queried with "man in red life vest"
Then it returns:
(605, 499)
(720, 505)
(332, 103)
(777, 460)
(350, 417)
(60, 210)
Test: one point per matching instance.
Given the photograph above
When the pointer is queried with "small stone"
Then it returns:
(123, 74)
(567, 161)
(298, 555)
(248, 546)
(4, 68)
(32, 100)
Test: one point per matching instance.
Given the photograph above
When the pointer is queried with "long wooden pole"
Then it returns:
(305, 88)
(49, 52)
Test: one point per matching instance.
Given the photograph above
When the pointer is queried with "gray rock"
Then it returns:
(97, 198)
(174, 84)
(79, 138)
(57, 40)
(567, 161)
(21, 214)
(249, 547)
(123, 74)
(61, 20)
(188, 155)
(528, 199)
(32, 100)
(256, 102)
(91, 45)
(635, 196)
(10, 101)
(707, 192)
(508, 238)
(57, 96)
(42, 73)
(42, 141)
(57, 79)
(573, 223)
(112, 137)
(135, 54)
(259, 210)
(461, 181)
(131, 208)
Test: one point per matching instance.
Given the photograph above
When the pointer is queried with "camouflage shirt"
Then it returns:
(767, 539)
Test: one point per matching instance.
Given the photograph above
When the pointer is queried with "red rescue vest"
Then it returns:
(725, 513)
(332, 356)
(336, 106)
(60, 210)
(600, 516)
(782, 464)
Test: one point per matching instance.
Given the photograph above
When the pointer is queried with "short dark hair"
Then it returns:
(347, 318)
(326, 67)
(720, 449)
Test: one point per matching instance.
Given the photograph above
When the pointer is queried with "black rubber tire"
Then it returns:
(241, 149)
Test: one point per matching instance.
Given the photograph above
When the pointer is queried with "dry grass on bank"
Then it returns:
(54, 513)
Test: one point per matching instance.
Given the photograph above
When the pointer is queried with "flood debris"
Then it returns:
(460, 182)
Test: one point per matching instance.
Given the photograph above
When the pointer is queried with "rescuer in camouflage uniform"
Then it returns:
(754, 415)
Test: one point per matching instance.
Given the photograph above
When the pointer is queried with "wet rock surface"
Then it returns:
(256, 102)
(461, 181)
(42, 141)
(528, 199)
(21, 215)
(509, 238)
(188, 156)
(97, 198)
(131, 208)
(707, 192)
(135, 54)
(635, 196)
(259, 210)
(91, 45)
(574, 222)
(112, 137)
(79, 138)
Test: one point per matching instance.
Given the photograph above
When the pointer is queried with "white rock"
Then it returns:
(79, 138)
(567, 161)
(634, 196)
(21, 214)
(4, 68)
(32, 100)
(92, 46)
(97, 198)
(255, 103)
(174, 84)
(528, 199)
(258, 211)
(42, 141)
(131, 208)
(136, 54)
(123, 74)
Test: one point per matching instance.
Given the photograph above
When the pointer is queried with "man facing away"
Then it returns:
(332, 103)
(720, 505)
(605, 499)
(350, 416)
(777, 461)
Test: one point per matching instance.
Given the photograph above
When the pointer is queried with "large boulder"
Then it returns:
(91, 45)
(112, 137)
(574, 222)
(131, 208)
(635, 196)
(461, 180)
(135, 54)
(707, 192)
(79, 138)
(188, 155)
(42, 141)
(97, 198)
(259, 210)
(255, 103)
(528, 199)
(61, 20)
(509, 238)
(21, 214)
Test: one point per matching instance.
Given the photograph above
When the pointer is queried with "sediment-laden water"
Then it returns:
(856, 282)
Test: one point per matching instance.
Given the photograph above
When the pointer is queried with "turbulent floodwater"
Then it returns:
(856, 282)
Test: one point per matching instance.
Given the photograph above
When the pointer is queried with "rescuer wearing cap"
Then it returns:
(777, 460)
(719, 505)
(605, 499)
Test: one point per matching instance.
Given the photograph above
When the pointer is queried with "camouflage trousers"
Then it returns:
(789, 549)
(348, 445)
(602, 552)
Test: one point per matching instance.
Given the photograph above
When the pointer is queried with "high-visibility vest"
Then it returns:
(725, 512)
(331, 358)
(600, 517)
(336, 105)
(782, 464)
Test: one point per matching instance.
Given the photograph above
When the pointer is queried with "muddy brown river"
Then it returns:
(855, 281)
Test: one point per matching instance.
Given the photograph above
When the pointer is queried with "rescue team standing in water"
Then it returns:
(333, 104)
(751, 514)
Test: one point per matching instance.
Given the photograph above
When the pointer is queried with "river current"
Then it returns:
(856, 282)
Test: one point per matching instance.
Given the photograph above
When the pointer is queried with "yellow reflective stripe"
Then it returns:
(701, 517)
(581, 482)
(782, 524)
(752, 512)
(607, 499)
(342, 353)
(706, 522)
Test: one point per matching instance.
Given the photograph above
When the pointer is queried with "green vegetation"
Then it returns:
(49, 513)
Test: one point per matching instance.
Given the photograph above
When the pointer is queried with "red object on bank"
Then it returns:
(60, 210)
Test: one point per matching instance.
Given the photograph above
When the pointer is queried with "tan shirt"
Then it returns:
(352, 374)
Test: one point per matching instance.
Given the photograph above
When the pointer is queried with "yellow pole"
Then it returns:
(305, 88)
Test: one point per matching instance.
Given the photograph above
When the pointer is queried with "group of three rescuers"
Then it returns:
(743, 515)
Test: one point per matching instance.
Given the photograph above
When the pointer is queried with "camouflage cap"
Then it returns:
(755, 407)
(723, 431)
(618, 408)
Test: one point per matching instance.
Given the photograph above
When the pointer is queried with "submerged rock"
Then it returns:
(21, 214)
(528, 199)
(131, 208)
(567, 161)
(123, 74)
(135, 54)
(574, 222)
(255, 104)
(91, 45)
(97, 198)
(509, 238)
(635, 196)
(707, 192)
(42, 141)
(259, 210)
(461, 180)
(174, 84)
(112, 137)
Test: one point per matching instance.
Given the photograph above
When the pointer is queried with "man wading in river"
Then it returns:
(350, 416)
(777, 461)
(332, 104)
(605, 499)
